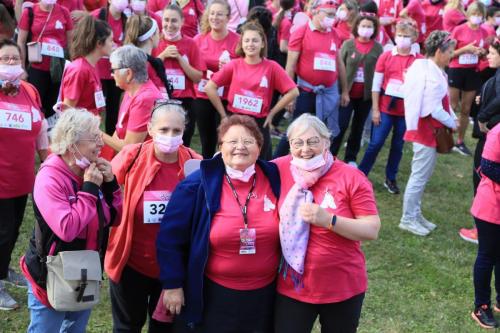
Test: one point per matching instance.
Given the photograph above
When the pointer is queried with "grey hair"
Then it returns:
(436, 40)
(130, 56)
(306, 121)
(70, 128)
(166, 108)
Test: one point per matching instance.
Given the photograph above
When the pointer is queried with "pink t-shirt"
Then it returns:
(284, 30)
(192, 12)
(486, 205)
(81, 83)
(212, 50)
(452, 18)
(239, 12)
(103, 65)
(225, 265)
(54, 35)
(251, 87)
(21, 122)
(343, 31)
(135, 111)
(416, 12)
(390, 9)
(143, 249)
(183, 86)
(433, 17)
(393, 66)
(317, 62)
(465, 35)
(334, 268)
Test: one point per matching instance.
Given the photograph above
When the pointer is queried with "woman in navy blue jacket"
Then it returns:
(218, 245)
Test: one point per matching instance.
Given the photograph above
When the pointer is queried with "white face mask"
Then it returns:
(475, 19)
(309, 164)
(341, 15)
(365, 32)
(11, 72)
(403, 42)
(241, 175)
(120, 5)
(83, 163)
(172, 36)
(167, 144)
(49, 2)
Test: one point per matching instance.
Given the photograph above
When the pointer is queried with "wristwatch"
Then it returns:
(332, 224)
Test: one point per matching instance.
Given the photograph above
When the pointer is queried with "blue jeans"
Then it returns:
(379, 134)
(44, 319)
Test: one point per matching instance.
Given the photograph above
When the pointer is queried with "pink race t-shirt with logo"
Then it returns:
(453, 18)
(317, 62)
(225, 265)
(183, 86)
(148, 214)
(393, 66)
(20, 125)
(212, 50)
(334, 268)
(53, 38)
(486, 205)
(464, 36)
(81, 83)
(416, 12)
(135, 111)
(251, 87)
(433, 17)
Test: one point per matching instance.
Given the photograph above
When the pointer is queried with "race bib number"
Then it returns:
(155, 204)
(247, 241)
(247, 103)
(324, 62)
(178, 81)
(15, 117)
(360, 75)
(468, 59)
(394, 88)
(100, 101)
(203, 83)
(52, 50)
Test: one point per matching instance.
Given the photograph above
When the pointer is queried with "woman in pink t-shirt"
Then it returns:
(326, 209)
(454, 14)
(346, 15)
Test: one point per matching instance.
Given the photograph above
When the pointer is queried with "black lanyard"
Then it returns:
(242, 208)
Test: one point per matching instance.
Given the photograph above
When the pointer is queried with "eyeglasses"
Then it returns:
(7, 59)
(312, 142)
(97, 139)
(247, 142)
(113, 70)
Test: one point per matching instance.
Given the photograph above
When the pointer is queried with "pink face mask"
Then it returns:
(327, 22)
(83, 163)
(244, 176)
(475, 19)
(309, 164)
(49, 2)
(365, 32)
(167, 144)
(138, 6)
(403, 42)
(11, 72)
(120, 5)
(171, 35)
(341, 15)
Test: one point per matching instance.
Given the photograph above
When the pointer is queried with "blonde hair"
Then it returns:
(454, 4)
(71, 127)
(476, 7)
(137, 25)
(306, 121)
(204, 24)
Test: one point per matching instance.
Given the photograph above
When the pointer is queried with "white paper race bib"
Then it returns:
(52, 50)
(155, 204)
(324, 62)
(468, 59)
(15, 117)
(203, 83)
(394, 88)
(177, 79)
(360, 75)
(247, 103)
(100, 101)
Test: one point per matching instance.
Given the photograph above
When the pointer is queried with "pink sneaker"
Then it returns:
(469, 235)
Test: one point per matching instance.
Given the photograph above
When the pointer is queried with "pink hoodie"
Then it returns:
(71, 215)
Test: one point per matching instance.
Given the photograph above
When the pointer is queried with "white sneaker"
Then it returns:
(353, 164)
(414, 227)
(6, 301)
(426, 223)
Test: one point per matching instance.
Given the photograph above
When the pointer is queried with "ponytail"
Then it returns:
(285, 5)
(88, 33)
(137, 26)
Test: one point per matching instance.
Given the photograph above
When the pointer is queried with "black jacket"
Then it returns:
(489, 112)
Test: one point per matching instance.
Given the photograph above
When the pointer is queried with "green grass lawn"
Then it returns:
(416, 284)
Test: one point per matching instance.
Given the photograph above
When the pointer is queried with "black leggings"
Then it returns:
(47, 89)
(207, 120)
(11, 217)
(113, 96)
(292, 316)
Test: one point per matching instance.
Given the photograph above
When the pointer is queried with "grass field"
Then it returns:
(415, 284)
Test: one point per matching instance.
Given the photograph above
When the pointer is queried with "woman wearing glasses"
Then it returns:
(252, 81)
(218, 245)
(149, 173)
(129, 69)
(326, 210)
(22, 131)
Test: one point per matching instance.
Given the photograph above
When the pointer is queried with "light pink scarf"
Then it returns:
(294, 232)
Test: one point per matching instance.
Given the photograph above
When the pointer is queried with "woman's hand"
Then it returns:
(482, 127)
(269, 121)
(376, 117)
(170, 52)
(93, 175)
(173, 299)
(105, 168)
(312, 213)
(344, 99)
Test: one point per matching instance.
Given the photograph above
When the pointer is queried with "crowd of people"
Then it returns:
(242, 236)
